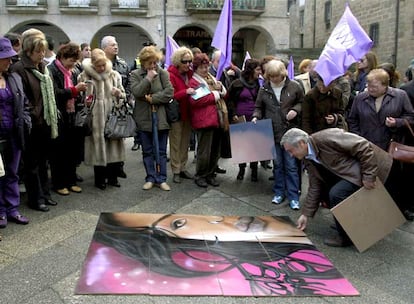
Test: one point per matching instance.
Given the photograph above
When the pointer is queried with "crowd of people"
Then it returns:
(41, 92)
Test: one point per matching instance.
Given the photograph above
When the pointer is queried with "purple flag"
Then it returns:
(170, 47)
(246, 58)
(222, 37)
(291, 68)
(347, 44)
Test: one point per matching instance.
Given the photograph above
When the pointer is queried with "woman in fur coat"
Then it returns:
(104, 91)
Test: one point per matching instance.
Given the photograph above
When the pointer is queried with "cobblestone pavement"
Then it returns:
(41, 262)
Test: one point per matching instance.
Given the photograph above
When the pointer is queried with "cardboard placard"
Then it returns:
(368, 216)
(252, 142)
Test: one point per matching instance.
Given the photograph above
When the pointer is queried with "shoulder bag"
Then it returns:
(84, 117)
(120, 123)
(401, 152)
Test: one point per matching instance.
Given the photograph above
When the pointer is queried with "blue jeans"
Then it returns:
(285, 172)
(148, 156)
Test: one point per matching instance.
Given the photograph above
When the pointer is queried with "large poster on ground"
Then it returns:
(186, 254)
(252, 141)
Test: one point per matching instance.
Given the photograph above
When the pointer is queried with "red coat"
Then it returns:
(204, 110)
(180, 90)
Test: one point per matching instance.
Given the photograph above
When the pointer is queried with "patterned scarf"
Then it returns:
(49, 103)
(67, 74)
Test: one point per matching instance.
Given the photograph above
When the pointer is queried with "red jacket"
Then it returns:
(204, 110)
(180, 90)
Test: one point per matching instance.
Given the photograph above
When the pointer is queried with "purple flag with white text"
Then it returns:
(347, 44)
(222, 37)
(291, 68)
(170, 47)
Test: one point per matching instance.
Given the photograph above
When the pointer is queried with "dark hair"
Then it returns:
(392, 73)
(155, 249)
(14, 38)
(69, 50)
(199, 59)
(50, 42)
(249, 67)
(84, 45)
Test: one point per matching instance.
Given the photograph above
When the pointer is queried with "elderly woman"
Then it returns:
(105, 91)
(14, 121)
(152, 90)
(205, 120)
(180, 133)
(66, 145)
(378, 115)
(38, 88)
(281, 101)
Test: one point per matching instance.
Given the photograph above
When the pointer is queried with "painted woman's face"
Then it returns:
(210, 227)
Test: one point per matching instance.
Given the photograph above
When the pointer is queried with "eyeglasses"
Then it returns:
(186, 61)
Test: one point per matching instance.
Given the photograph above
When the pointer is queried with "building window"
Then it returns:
(412, 32)
(328, 12)
(374, 33)
(301, 18)
(301, 41)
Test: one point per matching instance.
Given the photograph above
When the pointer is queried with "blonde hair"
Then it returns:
(33, 40)
(98, 57)
(304, 64)
(178, 55)
(275, 67)
(149, 53)
(379, 74)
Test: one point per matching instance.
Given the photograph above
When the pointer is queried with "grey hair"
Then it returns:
(294, 136)
(106, 40)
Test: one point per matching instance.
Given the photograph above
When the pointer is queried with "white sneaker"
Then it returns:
(148, 185)
(165, 187)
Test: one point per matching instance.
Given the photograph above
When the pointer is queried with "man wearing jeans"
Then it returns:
(338, 164)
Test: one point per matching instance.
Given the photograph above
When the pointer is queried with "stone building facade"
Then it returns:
(259, 27)
(389, 23)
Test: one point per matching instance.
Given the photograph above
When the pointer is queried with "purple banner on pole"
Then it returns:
(347, 44)
(170, 47)
(223, 37)
(291, 68)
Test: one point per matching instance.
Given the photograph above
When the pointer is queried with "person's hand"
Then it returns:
(217, 86)
(302, 222)
(116, 92)
(369, 185)
(81, 87)
(330, 119)
(291, 114)
(148, 98)
(235, 118)
(190, 91)
(254, 120)
(390, 122)
(151, 74)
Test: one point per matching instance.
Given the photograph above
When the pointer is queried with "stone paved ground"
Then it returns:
(40, 263)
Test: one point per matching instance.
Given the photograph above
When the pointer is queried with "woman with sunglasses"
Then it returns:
(180, 133)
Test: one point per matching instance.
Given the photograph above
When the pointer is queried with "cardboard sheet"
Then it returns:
(368, 216)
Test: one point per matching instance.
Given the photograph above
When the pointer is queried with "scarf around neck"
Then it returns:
(49, 103)
(67, 74)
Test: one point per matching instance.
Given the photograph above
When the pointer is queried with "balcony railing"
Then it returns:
(78, 6)
(129, 7)
(240, 7)
(26, 6)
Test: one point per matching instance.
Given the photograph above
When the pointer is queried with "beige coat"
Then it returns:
(100, 151)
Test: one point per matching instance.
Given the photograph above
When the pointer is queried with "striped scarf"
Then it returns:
(49, 103)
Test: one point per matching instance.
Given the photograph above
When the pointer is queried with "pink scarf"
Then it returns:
(67, 74)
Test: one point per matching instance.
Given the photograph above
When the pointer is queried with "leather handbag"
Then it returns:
(172, 110)
(84, 117)
(401, 152)
(120, 123)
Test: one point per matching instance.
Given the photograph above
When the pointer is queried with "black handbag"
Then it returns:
(172, 110)
(84, 117)
(120, 123)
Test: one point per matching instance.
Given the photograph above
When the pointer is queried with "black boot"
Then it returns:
(254, 174)
(240, 175)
